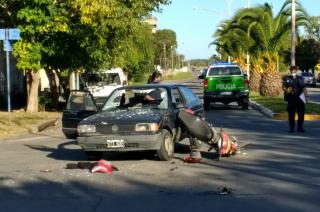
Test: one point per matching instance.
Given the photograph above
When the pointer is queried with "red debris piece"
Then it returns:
(104, 166)
(188, 159)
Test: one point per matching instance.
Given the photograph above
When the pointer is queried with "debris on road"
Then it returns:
(188, 159)
(104, 166)
(100, 166)
(224, 191)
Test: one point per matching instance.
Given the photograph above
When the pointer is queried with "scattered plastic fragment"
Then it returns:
(188, 159)
(100, 166)
(104, 166)
(224, 191)
(172, 169)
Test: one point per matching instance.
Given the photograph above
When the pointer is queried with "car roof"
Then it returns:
(161, 85)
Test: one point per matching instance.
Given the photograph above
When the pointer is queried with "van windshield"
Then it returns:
(101, 79)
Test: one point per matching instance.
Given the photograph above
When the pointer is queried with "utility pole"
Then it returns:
(248, 56)
(165, 57)
(172, 58)
(293, 33)
(229, 2)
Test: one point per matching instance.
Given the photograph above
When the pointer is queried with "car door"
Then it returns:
(79, 106)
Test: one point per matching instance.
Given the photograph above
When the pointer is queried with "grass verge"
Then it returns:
(278, 105)
(21, 122)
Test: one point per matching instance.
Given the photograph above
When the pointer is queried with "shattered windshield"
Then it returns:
(155, 98)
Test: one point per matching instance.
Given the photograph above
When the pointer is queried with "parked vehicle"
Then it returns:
(102, 83)
(225, 82)
(309, 79)
(129, 122)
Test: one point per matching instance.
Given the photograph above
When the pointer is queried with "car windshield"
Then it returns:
(101, 79)
(222, 71)
(132, 98)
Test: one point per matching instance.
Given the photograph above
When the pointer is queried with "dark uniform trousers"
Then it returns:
(295, 105)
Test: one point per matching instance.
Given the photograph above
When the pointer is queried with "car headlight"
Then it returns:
(147, 127)
(86, 129)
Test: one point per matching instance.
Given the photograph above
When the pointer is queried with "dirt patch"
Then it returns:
(21, 122)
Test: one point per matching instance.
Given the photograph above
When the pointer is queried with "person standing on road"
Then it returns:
(295, 94)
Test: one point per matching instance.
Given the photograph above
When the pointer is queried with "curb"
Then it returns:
(44, 126)
(280, 116)
(265, 111)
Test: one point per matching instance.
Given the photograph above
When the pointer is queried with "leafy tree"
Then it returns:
(313, 28)
(164, 41)
(308, 54)
(264, 35)
(79, 35)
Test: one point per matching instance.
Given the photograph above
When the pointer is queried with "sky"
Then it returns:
(195, 21)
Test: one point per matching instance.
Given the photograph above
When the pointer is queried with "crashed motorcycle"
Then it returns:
(221, 142)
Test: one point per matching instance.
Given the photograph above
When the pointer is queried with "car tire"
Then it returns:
(206, 103)
(71, 135)
(245, 106)
(166, 151)
(94, 155)
(245, 103)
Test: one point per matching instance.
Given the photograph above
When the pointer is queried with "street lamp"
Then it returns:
(293, 33)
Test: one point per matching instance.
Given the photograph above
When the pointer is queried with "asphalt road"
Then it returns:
(314, 94)
(274, 171)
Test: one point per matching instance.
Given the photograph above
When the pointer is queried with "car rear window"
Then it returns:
(223, 71)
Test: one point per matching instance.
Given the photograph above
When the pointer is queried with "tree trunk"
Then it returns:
(34, 77)
(255, 78)
(53, 88)
(271, 83)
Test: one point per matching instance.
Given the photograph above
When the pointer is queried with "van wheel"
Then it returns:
(166, 151)
(94, 155)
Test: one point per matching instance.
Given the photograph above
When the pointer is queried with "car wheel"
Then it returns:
(166, 150)
(94, 155)
(206, 103)
(71, 135)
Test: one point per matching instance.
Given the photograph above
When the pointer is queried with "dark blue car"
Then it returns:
(129, 120)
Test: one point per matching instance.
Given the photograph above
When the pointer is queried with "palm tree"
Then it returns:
(266, 37)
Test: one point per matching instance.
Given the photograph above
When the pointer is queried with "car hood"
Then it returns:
(126, 116)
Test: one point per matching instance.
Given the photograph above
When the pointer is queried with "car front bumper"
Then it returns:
(131, 142)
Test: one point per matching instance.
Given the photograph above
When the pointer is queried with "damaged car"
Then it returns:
(133, 118)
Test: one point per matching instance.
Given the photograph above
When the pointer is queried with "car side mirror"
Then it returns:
(200, 77)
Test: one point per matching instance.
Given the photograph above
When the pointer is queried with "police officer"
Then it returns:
(295, 93)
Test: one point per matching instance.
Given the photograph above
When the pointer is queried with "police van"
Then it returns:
(225, 82)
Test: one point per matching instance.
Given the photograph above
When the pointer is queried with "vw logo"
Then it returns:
(115, 128)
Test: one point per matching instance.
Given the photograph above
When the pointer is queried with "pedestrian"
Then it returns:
(154, 78)
(154, 95)
(295, 94)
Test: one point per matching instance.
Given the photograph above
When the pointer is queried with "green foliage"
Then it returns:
(257, 30)
(165, 42)
(313, 28)
(308, 54)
